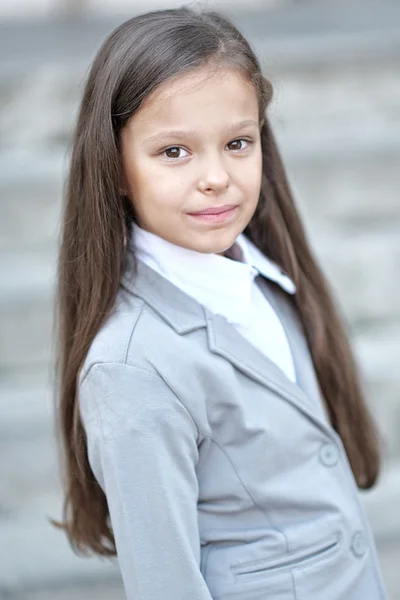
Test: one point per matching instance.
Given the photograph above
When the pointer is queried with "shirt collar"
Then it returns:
(221, 284)
(264, 265)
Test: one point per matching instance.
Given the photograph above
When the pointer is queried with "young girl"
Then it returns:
(214, 427)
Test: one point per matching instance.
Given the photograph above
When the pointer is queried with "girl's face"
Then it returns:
(194, 145)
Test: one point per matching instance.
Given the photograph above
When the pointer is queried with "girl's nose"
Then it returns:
(215, 177)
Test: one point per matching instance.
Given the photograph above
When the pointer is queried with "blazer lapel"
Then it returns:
(185, 314)
(226, 341)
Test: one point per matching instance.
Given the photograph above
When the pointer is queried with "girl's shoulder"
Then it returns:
(134, 335)
(111, 341)
(138, 359)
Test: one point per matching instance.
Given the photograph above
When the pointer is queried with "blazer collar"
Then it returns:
(184, 314)
(180, 310)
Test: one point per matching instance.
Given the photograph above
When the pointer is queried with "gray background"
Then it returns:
(335, 67)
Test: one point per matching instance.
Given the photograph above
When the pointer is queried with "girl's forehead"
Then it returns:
(228, 89)
(198, 79)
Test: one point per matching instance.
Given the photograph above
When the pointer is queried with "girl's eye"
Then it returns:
(238, 144)
(174, 152)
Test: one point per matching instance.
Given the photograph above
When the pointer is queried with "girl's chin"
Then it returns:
(212, 244)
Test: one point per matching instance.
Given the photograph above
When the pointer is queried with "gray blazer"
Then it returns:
(224, 479)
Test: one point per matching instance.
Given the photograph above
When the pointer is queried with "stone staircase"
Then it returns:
(338, 125)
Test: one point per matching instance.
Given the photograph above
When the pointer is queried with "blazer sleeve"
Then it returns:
(142, 448)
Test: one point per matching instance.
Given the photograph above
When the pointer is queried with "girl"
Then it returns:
(214, 428)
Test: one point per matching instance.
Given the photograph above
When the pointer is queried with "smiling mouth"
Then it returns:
(215, 214)
(214, 210)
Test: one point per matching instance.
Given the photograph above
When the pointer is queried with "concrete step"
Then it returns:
(26, 309)
(109, 589)
(36, 556)
(353, 195)
(295, 32)
(26, 403)
(361, 266)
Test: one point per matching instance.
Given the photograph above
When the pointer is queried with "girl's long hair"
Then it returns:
(139, 55)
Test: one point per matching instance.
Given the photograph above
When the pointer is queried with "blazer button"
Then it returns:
(329, 455)
(359, 544)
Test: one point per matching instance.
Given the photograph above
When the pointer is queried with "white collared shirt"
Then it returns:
(225, 286)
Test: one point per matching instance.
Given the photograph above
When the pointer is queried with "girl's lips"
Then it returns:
(214, 210)
(211, 215)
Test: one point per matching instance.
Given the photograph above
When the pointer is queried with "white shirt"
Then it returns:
(226, 287)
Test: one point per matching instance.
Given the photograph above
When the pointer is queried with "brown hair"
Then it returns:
(139, 55)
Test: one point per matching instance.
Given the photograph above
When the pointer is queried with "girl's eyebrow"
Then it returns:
(192, 133)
